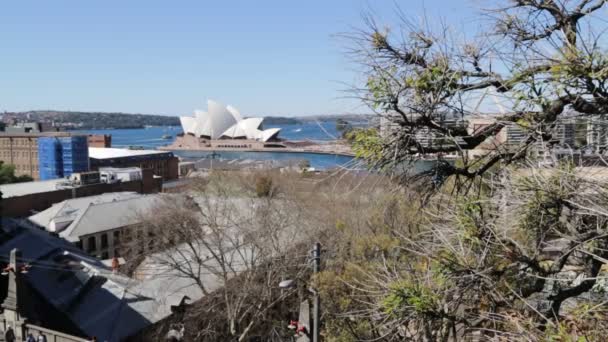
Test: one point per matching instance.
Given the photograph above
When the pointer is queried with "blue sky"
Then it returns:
(277, 57)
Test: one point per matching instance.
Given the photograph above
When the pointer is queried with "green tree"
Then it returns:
(517, 253)
(7, 175)
(543, 58)
(343, 127)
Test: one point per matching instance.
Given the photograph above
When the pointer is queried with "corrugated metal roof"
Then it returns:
(108, 153)
(27, 188)
(70, 209)
(94, 214)
(100, 217)
(99, 302)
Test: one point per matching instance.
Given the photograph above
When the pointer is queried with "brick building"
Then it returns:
(21, 199)
(100, 140)
(21, 150)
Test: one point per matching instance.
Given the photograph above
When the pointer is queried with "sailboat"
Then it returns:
(167, 136)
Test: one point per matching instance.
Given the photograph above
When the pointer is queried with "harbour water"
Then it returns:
(151, 138)
(318, 161)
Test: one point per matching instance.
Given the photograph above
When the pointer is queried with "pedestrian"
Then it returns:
(41, 337)
(176, 333)
(115, 264)
(30, 338)
(9, 334)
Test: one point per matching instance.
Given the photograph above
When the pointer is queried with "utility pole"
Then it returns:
(14, 302)
(316, 311)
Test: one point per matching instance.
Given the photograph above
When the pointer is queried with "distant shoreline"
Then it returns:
(115, 128)
(266, 149)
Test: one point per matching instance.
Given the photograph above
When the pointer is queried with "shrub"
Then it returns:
(264, 186)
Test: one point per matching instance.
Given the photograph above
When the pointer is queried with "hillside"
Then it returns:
(282, 120)
(334, 117)
(102, 120)
(91, 120)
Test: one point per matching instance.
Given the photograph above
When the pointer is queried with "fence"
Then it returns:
(51, 335)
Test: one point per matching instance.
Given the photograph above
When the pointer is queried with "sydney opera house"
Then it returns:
(223, 127)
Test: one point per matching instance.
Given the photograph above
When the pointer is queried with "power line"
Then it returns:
(163, 269)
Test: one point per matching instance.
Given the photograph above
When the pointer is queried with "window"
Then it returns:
(127, 235)
(116, 237)
(104, 240)
(91, 244)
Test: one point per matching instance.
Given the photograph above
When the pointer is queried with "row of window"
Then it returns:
(26, 167)
(98, 245)
(16, 141)
(158, 167)
(92, 241)
(234, 146)
(15, 154)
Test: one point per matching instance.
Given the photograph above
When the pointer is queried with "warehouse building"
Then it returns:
(163, 164)
(21, 199)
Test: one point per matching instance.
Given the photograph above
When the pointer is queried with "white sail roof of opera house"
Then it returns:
(225, 122)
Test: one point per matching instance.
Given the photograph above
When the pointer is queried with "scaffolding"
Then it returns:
(75, 154)
(60, 157)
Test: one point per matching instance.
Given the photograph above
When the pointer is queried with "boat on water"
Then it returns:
(166, 136)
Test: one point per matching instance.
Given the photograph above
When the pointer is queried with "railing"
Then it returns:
(51, 335)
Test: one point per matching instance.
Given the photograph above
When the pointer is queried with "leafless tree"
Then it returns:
(233, 246)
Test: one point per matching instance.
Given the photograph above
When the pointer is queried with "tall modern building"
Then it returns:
(597, 133)
(566, 133)
(424, 136)
(514, 134)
